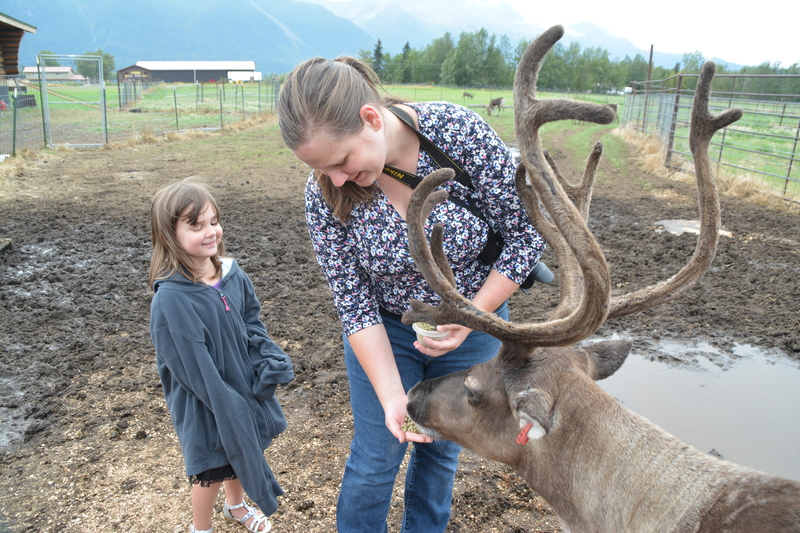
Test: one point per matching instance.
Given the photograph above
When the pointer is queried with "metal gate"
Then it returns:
(73, 100)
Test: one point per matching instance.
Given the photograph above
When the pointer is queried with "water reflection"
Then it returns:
(743, 403)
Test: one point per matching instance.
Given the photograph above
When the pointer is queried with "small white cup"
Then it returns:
(422, 333)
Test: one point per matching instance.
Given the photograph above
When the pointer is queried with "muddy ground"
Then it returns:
(87, 443)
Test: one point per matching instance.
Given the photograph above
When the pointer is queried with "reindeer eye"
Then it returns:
(472, 397)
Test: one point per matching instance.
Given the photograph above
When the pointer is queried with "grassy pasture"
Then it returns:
(163, 109)
(503, 121)
(759, 146)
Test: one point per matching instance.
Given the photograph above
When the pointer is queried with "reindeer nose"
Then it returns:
(416, 402)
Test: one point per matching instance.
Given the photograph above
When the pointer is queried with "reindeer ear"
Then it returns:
(533, 407)
(606, 357)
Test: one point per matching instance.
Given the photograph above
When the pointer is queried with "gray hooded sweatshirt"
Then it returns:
(219, 369)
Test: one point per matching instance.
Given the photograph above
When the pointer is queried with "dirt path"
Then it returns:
(95, 450)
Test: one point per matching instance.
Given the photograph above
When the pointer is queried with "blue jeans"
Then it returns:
(376, 455)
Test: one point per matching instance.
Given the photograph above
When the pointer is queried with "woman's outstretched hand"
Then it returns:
(395, 410)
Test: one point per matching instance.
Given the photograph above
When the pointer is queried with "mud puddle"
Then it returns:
(739, 402)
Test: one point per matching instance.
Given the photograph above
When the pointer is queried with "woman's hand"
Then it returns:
(395, 409)
(434, 348)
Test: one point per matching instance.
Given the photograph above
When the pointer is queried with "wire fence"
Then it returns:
(20, 117)
(763, 146)
(33, 115)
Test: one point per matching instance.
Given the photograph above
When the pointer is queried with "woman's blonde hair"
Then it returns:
(323, 94)
(186, 199)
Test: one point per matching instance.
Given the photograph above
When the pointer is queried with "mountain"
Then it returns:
(588, 34)
(276, 34)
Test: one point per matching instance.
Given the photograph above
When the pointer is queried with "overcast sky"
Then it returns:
(765, 30)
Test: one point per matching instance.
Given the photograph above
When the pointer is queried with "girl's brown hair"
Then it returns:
(322, 94)
(186, 199)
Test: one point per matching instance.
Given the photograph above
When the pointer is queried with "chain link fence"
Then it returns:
(159, 109)
(77, 113)
(73, 99)
(20, 117)
(764, 146)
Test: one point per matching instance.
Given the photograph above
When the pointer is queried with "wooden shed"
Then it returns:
(11, 32)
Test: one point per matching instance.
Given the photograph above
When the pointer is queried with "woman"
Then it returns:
(333, 119)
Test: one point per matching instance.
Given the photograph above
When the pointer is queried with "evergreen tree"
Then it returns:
(405, 76)
(377, 59)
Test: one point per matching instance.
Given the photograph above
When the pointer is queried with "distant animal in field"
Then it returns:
(468, 94)
(495, 103)
(614, 107)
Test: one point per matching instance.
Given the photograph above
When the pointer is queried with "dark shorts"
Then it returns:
(215, 475)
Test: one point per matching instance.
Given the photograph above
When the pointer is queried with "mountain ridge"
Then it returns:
(276, 34)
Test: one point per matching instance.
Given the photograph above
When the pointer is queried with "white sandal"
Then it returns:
(258, 518)
(193, 530)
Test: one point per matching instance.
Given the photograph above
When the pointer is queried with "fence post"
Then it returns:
(276, 90)
(673, 122)
(791, 159)
(13, 125)
(221, 123)
(105, 114)
(259, 97)
(43, 98)
(175, 98)
(646, 104)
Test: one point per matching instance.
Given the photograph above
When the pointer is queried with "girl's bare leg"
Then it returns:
(203, 500)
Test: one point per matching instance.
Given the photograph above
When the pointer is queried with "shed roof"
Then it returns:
(196, 65)
(11, 21)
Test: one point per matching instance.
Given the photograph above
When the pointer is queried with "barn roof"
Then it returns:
(196, 65)
(51, 70)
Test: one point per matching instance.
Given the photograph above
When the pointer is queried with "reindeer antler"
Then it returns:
(591, 273)
(703, 127)
(584, 280)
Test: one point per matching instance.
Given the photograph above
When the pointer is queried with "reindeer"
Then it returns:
(601, 467)
(468, 94)
(495, 102)
(616, 115)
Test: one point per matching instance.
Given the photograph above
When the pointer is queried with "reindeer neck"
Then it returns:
(617, 465)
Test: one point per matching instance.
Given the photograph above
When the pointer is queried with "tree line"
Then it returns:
(478, 59)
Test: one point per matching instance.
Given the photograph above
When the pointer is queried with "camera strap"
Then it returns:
(494, 240)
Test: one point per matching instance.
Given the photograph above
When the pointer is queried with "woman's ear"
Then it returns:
(370, 115)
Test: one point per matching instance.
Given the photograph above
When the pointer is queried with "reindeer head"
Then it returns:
(534, 382)
(495, 408)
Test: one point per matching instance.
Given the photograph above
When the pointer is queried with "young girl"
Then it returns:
(217, 364)
(334, 120)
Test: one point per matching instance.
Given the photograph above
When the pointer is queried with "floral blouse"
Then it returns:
(367, 261)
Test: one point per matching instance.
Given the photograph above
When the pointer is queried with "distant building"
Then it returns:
(11, 32)
(52, 74)
(189, 71)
